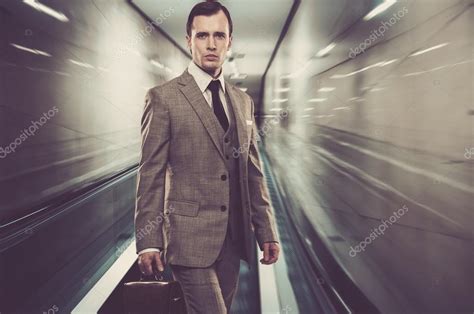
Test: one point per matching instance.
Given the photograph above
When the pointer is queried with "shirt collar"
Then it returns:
(202, 78)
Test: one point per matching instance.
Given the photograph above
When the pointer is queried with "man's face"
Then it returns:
(210, 41)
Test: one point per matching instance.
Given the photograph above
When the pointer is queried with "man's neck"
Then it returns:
(218, 71)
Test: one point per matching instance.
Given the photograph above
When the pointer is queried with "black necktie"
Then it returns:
(217, 104)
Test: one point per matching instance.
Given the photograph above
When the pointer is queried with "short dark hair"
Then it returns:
(207, 8)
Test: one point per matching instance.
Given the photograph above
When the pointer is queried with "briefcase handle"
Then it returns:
(155, 276)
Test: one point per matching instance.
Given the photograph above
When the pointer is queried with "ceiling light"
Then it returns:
(46, 10)
(389, 62)
(379, 9)
(278, 100)
(238, 76)
(376, 89)
(428, 49)
(325, 116)
(323, 52)
(317, 99)
(157, 64)
(326, 89)
(378, 64)
(81, 64)
(34, 51)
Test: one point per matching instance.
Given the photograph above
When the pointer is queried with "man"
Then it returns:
(201, 192)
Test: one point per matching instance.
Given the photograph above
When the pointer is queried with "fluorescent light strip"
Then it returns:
(356, 99)
(378, 64)
(428, 49)
(46, 10)
(81, 64)
(376, 89)
(326, 89)
(34, 51)
(157, 64)
(280, 100)
(323, 52)
(438, 68)
(325, 116)
(317, 99)
(238, 76)
(379, 9)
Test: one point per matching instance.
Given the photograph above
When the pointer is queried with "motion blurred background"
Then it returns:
(365, 113)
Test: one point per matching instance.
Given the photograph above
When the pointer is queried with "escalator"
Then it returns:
(75, 253)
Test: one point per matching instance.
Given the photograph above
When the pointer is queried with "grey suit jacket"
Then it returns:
(179, 188)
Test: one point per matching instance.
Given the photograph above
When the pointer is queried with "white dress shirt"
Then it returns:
(202, 79)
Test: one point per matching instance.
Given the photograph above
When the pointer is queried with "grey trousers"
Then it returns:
(211, 289)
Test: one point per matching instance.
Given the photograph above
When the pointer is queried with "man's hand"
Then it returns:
(270, 253)
(149, 261)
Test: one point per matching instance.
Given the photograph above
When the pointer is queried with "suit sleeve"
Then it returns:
(155, 132)
(262, 215)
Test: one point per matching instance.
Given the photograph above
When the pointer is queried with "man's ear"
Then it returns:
(230, 43)
(188, 40)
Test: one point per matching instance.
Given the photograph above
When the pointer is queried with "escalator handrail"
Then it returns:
(61, 204)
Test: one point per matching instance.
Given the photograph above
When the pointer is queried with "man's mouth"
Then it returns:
(211, 57)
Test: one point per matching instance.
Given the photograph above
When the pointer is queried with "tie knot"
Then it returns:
(213, 86)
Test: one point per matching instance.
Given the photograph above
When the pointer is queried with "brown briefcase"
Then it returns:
(153, 296)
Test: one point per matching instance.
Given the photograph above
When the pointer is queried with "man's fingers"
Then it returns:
(273, 255)
(266, 252)
(270, 253)
(145, 261)
(158, 263)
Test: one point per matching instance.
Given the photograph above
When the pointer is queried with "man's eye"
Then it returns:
(201, 36)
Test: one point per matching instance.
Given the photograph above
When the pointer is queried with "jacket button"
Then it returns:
(226, 140)
(227, 157)
(223, 208)
(223, 177)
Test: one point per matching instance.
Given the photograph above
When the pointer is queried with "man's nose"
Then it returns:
(211, 43)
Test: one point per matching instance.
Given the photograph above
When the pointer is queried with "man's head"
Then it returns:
(209, 35)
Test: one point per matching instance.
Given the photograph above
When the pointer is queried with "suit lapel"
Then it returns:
(236, 104)
(196, 99)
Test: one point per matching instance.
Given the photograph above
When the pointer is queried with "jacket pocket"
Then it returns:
(183, 208)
